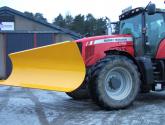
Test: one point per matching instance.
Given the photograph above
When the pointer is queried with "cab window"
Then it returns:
(132, 26)
(155, 30)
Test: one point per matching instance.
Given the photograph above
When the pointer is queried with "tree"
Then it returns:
(90, 25)
(29, 14)
(85, 25)
(101, 26)
(60, 21)
(40, 17)
(78, 24)
(68, 21)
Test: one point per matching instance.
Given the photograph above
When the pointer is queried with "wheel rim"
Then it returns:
(118, 83)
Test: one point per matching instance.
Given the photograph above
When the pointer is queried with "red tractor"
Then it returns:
(122, 65)
(118, 67)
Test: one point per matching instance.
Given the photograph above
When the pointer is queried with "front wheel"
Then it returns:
(115, 83)
(80, 93)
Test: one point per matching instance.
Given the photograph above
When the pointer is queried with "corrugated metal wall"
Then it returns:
(21, 41)
(44, 39)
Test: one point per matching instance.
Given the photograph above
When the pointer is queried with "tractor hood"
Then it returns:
(95, 48)
(106, 39)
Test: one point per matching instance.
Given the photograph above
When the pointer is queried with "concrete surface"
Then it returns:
(20, 106)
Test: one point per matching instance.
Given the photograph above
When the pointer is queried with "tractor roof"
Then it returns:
(136, 11)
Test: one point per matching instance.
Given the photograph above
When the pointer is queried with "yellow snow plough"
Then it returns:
(54, 67)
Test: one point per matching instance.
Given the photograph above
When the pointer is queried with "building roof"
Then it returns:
(55, 27)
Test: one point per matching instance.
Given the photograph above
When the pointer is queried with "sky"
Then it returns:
(99, 8)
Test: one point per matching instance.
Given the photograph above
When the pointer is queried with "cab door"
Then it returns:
(134, 26)
(155, 32)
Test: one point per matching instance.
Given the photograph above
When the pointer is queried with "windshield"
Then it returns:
(132, 26)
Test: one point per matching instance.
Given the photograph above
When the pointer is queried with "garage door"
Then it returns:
(17, 42)
(21, 41)
(44, 39)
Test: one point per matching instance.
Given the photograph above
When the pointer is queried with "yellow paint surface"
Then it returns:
(58, 67)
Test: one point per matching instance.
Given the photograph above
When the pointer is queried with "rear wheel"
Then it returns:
(115, 82)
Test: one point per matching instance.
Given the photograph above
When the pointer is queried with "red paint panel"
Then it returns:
(99, 51)
(102, 37)
(161, 50)
(93, 49)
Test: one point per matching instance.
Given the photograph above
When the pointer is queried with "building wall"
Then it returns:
(22, 24)
(63, 37)
(27, 34)
(14, 42)
(2, 57)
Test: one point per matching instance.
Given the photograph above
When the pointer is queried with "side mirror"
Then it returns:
(151, 9)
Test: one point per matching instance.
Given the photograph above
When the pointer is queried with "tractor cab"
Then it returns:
(147, 26)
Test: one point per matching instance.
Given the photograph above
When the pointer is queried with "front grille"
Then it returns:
(89, 51)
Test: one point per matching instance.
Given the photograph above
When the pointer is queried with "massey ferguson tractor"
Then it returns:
(111, 70)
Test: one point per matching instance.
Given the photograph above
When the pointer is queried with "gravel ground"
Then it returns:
(20, 106)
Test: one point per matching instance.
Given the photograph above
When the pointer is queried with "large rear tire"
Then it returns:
(115, 82)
